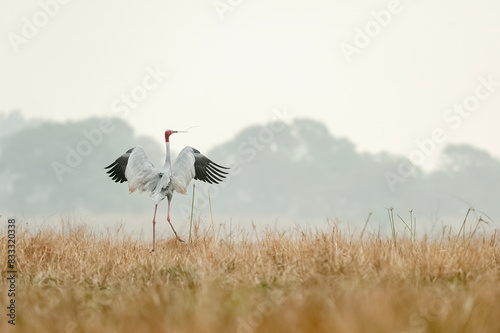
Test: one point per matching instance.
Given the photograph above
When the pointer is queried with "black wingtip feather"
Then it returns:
(220, 166)
(217, 171)
(117, 169)
(208, 171)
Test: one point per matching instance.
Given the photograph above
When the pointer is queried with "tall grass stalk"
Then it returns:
(366, 224)
(390, 211)
(414, 225)
(462, 228)
(409, 226)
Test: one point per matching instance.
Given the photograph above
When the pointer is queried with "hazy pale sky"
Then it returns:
(231, 62)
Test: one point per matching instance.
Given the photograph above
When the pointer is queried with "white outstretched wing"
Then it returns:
(192, 164)
(135, 168)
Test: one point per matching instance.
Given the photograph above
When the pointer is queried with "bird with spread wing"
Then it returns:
(141, 175)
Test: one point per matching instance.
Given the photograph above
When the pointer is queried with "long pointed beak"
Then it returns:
(180, 132)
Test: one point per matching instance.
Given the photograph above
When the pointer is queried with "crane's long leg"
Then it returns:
(154, 223)
(168, 219)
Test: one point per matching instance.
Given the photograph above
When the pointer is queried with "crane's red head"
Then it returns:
(168, 133)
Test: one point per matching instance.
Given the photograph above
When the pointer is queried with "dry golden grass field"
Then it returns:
(76, 280)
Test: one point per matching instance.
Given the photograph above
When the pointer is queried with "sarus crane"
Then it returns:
(141, 175)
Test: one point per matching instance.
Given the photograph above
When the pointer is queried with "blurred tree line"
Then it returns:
(296, 169)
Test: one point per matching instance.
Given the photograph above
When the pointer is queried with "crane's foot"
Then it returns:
(179, 239)
(153, 250)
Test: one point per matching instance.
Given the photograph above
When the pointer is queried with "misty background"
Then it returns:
(321, 108)
(297, 171)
